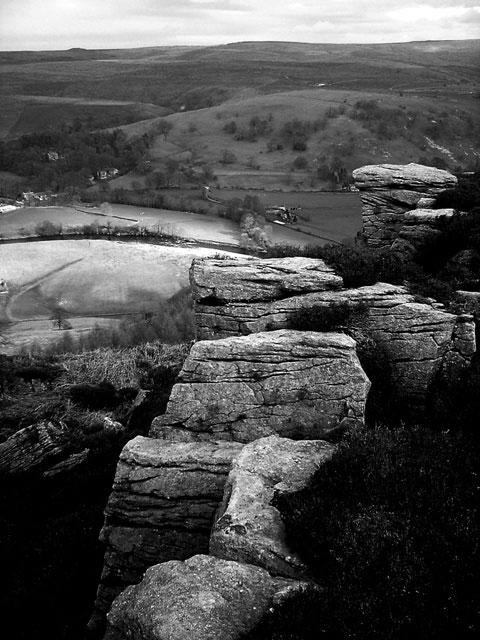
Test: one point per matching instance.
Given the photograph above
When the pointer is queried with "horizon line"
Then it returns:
(223, 44)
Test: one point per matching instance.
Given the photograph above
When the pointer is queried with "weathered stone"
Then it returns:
(427, 216)
(161, 507)
(248, 527)
(253, 279)
(73, 461)
(113, 426)
(417, 236)
(244, 318)
(203, 598)
(388, 191)
(34, 449)
(404, 176)
(425, 203)
(416, 337)
(469, 300)
(295, 383)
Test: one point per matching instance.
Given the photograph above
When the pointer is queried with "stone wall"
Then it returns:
(388, 192)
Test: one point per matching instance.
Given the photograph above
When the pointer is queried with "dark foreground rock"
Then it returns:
(203, 598)
(298, 384)
(248, 527)
(39, 449)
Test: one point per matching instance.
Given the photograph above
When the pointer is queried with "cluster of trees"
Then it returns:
(256, 128)
(81, 154)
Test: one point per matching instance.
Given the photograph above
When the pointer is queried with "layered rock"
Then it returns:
(388, 191)
(161, 507)
(418, 338)
(292, 383)
(42, 448)
(252, 280)
(224, 291)
(203, 598)
(249, 528)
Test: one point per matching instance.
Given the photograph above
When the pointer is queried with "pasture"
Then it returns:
(22, 222)
(92, 281)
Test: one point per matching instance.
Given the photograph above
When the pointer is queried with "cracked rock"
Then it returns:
(298, 384)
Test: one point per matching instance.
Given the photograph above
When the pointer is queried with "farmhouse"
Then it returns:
(105, 174)
(32, 198)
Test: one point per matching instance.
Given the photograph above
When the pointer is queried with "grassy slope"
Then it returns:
(194, 77)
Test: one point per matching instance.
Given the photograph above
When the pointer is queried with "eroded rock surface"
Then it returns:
(223, 288)
(251, 279)
(34, 449)
(294, 383)
(203, 598)
(416, 337)
(388, 191)
(248, 527)
(161, 507)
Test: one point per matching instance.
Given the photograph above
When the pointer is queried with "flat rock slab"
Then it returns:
(410, 176)
(298, 384)
(203, 598)
(248, 527)
(252, 279)
(161, 507)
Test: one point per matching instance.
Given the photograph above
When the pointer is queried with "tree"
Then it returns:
(59, 318)
(228, 157)
(164, 127)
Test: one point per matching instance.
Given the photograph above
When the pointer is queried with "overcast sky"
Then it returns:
(61, 24)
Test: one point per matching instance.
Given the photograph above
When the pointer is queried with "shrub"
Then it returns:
(228, 157)
(300, 162)
(230, 127)
(390, 525)
(328, 317)
(465, 196)
(48, 228)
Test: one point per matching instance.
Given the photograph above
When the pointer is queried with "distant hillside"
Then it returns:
(302, 133)
(197, 77)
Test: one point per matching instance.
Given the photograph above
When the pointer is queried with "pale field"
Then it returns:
(94, 281)
(93, 276)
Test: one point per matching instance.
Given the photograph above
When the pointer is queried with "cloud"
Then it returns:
(56, 24)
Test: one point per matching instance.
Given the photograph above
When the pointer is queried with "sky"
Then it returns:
(101, 24)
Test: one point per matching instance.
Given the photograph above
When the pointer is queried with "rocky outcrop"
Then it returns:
(292, 383)
(389, 191)
(249, 528)
(252, 280)
(469, 301)
(418, 338)
(227, 292)
(203, 598)
(42, 448)
(161, 508)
